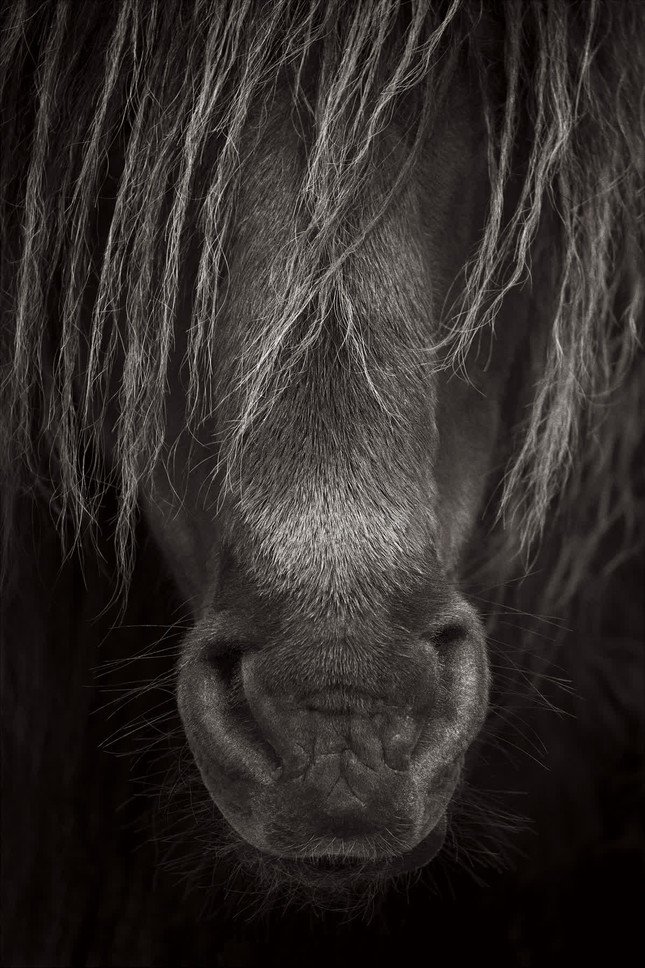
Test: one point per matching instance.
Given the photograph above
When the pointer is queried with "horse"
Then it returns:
(321, 375)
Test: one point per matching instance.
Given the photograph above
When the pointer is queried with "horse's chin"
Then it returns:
(332, 877)
(425, 851)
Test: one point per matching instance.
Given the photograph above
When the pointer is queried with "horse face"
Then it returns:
(335, 676)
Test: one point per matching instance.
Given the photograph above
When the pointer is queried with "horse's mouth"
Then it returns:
(332, 876)
(420, 855)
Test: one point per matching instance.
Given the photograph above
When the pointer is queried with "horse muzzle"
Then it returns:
(364, 767)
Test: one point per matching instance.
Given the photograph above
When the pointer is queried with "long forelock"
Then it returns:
(168, 91)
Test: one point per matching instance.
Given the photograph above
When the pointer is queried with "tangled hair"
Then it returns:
(131, 115)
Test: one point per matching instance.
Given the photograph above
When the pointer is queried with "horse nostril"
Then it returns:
(227, 664)
(449, 634)
(224, 660)
(213, 701)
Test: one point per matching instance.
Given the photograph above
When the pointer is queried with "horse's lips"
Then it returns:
(425, 851)
(420, 855)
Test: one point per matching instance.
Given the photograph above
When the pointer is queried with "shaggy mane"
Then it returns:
(133, 112)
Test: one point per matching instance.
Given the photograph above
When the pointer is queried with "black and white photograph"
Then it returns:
(322, 483)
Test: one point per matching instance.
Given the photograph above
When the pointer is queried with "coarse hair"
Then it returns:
(133, 113)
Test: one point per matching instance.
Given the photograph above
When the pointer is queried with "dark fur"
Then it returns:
(97, 130)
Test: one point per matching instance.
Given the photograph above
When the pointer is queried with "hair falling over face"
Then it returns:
(321, 395)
